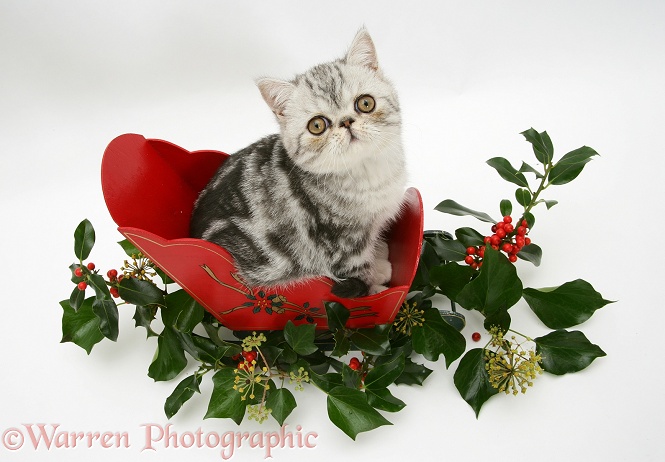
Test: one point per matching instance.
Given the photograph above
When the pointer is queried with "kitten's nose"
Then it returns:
(346, 122)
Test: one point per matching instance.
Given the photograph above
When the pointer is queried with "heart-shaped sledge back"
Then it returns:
(150, 187)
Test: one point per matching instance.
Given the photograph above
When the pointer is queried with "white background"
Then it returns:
(471, 77)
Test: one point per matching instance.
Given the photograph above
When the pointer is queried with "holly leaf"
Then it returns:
(129, 248)
(373, 341)
(84, 239)
(571, 165)
(169, 358)
(385, 374)
(451, 278)
(563, 352)
(225, 402)
(496, 287)
(342, 344)
(76, 298)
(505, 207)
(382, 399)
(182, 393)
(550, 204)
(300, 338)
(326, 382)
(337, 315)
(143, 317)
(526, 168)
(565, 306)
(469, 237)
(453, 208)
(282, 403)
(448, 250)
(523, 197)
(507, 171)
(139, 292)
(182, 312)
(542, 145)
(472, 381)
(80, 327)
(413, 373)
(349, 411)
(531, 253)
(436, 337)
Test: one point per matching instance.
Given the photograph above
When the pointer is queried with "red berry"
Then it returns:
(481, 251)
(500, 225)
(509, 228)
(475, 336)
(525, 223)
(469, 260)
(501, 233)
(527, 241)
(112, 274)
(91, 266)
(507, 219)
(82, 285)
(78, 272)
(494, 228)
(520, 241)
(495, 247)
(507, 247)
(249, 356)
(487, 239)
(495, 240)
(355, 364)
(521, 230)
(470, 250)
(114, 292)
(512, 258)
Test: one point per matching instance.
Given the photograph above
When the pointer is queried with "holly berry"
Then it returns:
(112, 274)
(355, 364)
(249, 356)
(527, 241)
(507, 247)
(507, 219)
(82, 285)
(509, 228)
(78, 272)
(475, 336)
(512, 258)
(470, 250)
(469, 260)
(114, 292)
(91, 266)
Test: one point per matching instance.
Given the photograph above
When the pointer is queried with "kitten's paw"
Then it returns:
(350, 288)
(383, 271)
(376, 288)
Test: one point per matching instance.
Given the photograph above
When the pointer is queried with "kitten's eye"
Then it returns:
(365, 103)
(317, 125)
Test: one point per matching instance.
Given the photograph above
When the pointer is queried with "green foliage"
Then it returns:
(255, 374)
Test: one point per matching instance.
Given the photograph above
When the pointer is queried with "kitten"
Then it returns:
(314, 199)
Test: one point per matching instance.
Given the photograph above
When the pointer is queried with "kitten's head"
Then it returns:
(338, 115)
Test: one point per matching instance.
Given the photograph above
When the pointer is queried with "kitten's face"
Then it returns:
(338, 116)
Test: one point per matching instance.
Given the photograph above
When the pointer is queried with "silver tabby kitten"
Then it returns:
(314, 199)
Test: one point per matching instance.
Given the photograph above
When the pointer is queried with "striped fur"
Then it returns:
(298, 205)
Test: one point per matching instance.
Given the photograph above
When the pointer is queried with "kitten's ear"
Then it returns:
(276, 93)
(362, 51)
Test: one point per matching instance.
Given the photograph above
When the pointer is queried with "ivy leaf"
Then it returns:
(84, 239)
(80, 327)
(451, 278)
(225, 401)
(531, 253)
(505, 207)
(138, 292)
(349, 411)
(182, 393)
(169, 358)
(565, 306)
(472, 381)
(282, 403)
(571, 165)
(542, 145)
(496, 287)
(500, 319)
(350, 377)
(382, 399)
(526, 168)
(300, 338)
(453, 208)
(326, 382)
(337, 315)
(507, 171)
(413, 373)
(436, 337)
(373, 341)
(182, 312)
(563, 352)
(469, 237)
(385, 374)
